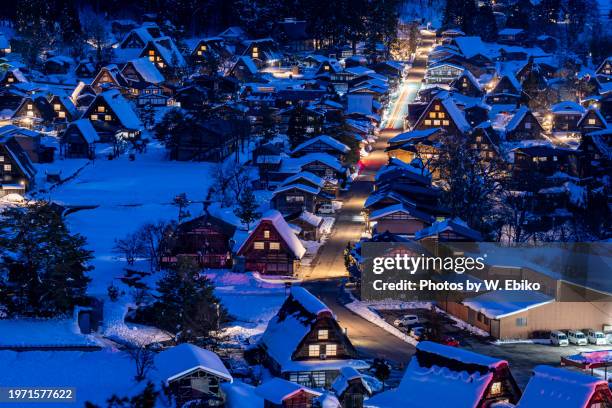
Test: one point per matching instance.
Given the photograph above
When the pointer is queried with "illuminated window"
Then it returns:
(323, 334)
(30, 114)
(101, 108)
(313, 350)
(427, 122)
(496, 388)
(7, 167)
(151, 58)
(432, 114)
(436, 122)
(330, 349)
(108, 117)
(478, 139)
(258, 245)
(10, 79)
(1, 159)
(275, 246)
(61, 114)
(437, 107)
(199, 52)
(445, 123)
(57, 106)
(591, 121)
(441, 115)
(266, 234)
(327, 67)
(151, 52)
(94, 117)
(30, 106)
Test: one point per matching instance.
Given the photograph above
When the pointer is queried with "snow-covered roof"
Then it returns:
(248, 62)
(306, 175)
(421, 384)
(122, 108)
(567, 107)
(347, 374)
(450, 224)
(471, 46)
(517, 118)
(328, 140)
(311, 218)
(301, 187)
(406, 209)
(277, 390)
(169, 52)
(455, 113)
(414, 134)
(281, 226)
(177, 361)
(147, 70)
(309, 301)
(4, 42)
(559, 388)
(502, 303)
(298, 163)
(87, 130)
(510, 31)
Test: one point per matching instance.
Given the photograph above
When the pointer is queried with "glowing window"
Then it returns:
(101, 108)
(94, 117)
(445, 123)
(437, 107)
(275, 246)
(323, 334)
(432, 114)
(108, 117)
(57, 106)
(496, 388)
(313, 350)
(427, 122)
(330, 349)
(266, 234)
(61, 114)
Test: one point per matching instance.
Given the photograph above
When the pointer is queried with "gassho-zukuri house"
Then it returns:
(303, 343)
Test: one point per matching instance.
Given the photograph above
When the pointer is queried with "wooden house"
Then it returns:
(523, 126)
(532, 164)
(291, 198)
(305, 344)
(399, 219)
(506, 91)
(604, 70)
(320, 164)
(85, 69)
(467, 84)
(58, 65)
(565, 117)
(141, 72)
(305, 178)
(244, 69)
(12, 77)
(34, 112)
(17, 173)
(442, 112)
(233, 35)
(591, 121)
(109, 77)
(351, 388)
(322, 144)
(31, 143)
(443, 73)
(280, 393)
(449, 230)
(308, 224)
(79, 140)
(192, 374)
(110, 114)
(454, 377)
(63, 109)
(263, 52)
(485, 140)
(207, 46)
(205, 239)
(192, 97)
(272, 248)
(164, 53)
(549, 384)
(83, 95)
(597, 149)
(399, 146)
(138, 37)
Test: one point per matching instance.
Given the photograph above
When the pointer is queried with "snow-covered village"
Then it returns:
(190, 191)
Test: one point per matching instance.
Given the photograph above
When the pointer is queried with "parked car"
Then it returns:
(406, 320)
(449, 341)
(577, 337)
(418, 332)
(596, 337)
(558, 338)
(326, 208)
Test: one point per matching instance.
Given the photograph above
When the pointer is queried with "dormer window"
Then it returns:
(151, 52)
(30, 106)
(101, 109)
(266, 234)
(323, 334)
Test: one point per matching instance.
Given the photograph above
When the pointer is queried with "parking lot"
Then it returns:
(521, 356)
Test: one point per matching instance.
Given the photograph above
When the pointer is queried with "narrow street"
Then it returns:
(370, 340)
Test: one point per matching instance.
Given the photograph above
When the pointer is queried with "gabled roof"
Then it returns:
(454, 112)
(406, 209)
(301, 187)
(567, 107)
(147, 70)
(277, 390)
(179, 360)
(247, 62)
(559, 388)
(414, 134)
(300, 162)
(87, 130)
(283, 229)
(122, 108)
(471, 46)
(450, 224)
(168, 50)
(517, 118)
(597, 113)
(306, 175)
(347, 374)
(328, 140)
(19, 156)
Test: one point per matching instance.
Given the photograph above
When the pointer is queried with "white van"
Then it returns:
(577, 337)
(326, 208)
(406, 320)
(558, 338)
(596, 337)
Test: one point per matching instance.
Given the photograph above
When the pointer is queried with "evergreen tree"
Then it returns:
(186, 305)
(43, 265)
(296, 128)
(485, 23)
(247, 208)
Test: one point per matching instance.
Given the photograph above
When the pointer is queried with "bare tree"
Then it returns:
(130, 247)
(96, 33)
(142, 356)
(153, 237)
